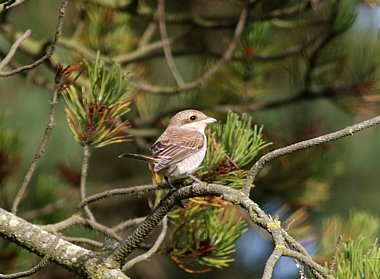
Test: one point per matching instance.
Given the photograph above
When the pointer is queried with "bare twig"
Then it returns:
(49, 208)
(83, 240)
(126, 224)
(14, 48)
(5, 7)
(148, 34)
(350, 130)
(51, 50)
(27, 273)
(210, 72)
(41, 149)
(152, 250)
(332, 264)
(120, 191)
(165, 42)
(83, 179)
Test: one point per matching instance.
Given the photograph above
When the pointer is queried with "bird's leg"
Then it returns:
(172, 188)
(199, 182)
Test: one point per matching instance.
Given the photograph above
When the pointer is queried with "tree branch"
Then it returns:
(42, 147)
(14, 48)
(348, 131)
(83, 179)
(152, 250)
(120, 191)
(228, 194)
(49, 53)
(80, 261)
(165, 42)
(30, 272)
(210, 72)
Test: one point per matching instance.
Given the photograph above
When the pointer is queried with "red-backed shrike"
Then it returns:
(181, 148)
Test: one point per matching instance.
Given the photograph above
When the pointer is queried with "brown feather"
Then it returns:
(175, 145)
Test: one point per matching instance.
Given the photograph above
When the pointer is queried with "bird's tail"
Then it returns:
(139, 157)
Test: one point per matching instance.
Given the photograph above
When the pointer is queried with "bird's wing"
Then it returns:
(175, 145)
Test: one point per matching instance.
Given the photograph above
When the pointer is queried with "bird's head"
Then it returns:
(191, 119)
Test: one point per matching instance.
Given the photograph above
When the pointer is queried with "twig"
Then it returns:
(83, 179)
(332, 264)
(210, 72)
(302, 96)
(51, 50)
(350, 130)
(271, 262)
(44, 261)
(5, 7)
(49, 208)
(14, 48)
(148, 34)
(152, 250)
(132, 222)
(165, 42)
(120, 191)
(83, 240)
(41, 149)
(65, 224)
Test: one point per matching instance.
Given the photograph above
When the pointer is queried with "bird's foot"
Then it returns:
(172, 189)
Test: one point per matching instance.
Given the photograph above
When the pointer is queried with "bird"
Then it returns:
(181, 148)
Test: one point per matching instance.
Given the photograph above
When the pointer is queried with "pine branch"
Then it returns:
(83, 179)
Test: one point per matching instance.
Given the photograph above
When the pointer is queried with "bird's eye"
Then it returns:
(193, 117)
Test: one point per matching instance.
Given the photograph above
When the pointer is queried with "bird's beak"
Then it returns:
(209, 120)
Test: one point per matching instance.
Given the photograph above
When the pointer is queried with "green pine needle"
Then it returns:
(204, 237)
(95, 113)
(357, 261)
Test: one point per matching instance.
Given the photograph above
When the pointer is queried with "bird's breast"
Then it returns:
(188, 165)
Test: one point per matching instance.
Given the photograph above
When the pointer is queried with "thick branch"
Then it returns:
(234, 196)
(80, 261)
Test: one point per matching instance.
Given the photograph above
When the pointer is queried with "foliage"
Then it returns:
(232, 146)
(358, 261)
(204, 235)
(95, 114)
(358, 224)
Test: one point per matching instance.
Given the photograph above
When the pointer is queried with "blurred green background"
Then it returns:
(332, 179)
